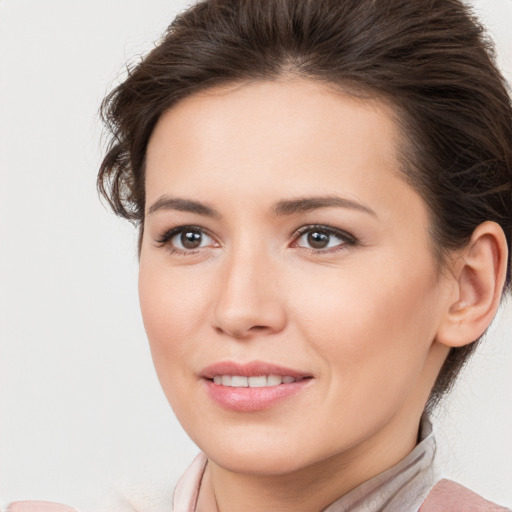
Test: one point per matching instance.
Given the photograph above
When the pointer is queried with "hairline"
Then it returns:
(407, 169)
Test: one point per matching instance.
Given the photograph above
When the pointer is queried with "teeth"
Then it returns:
(257, 382)
(239, 382)
(274, 380)
(261, 381)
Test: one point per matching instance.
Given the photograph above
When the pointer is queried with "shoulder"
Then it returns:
(448, 496)
(38, 506)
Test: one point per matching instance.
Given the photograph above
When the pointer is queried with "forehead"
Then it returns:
(277, 111)
(257, 124)
(256, 141)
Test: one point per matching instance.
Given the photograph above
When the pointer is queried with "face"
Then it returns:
(286, 281)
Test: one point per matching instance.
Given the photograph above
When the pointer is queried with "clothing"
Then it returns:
(448, 496)
(445, 496)
(402, 488)
(38, 506)
(409, 486)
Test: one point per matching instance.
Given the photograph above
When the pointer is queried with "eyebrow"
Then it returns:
(183, 205)
(281, 208)
(305, 204)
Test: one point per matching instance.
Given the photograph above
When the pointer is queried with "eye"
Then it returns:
(322, 238)
(186, 239)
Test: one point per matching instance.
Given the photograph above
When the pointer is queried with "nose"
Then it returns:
(249, 300)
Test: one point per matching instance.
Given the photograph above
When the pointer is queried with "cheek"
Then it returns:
(173, 307)
(369, 326)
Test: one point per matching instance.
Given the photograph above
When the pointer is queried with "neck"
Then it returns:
(309, 489)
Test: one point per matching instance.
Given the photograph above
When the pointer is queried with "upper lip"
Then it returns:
(250, 369)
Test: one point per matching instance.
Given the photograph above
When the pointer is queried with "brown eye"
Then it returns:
(191, 239)
(322, 238)
(318, 240)
(188, 239)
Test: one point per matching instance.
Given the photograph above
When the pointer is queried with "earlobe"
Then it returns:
(479, 277)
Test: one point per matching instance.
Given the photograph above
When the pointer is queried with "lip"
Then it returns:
(248, 399)
(250, 369)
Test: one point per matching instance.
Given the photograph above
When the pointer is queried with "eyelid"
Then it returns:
(164, 238)
(347, 238)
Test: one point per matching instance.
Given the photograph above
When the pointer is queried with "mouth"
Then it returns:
(259, 381)
(252, 386)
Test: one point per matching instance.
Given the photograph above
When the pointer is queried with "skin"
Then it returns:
(363, 316)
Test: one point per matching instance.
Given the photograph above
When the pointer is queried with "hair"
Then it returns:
(430, 59)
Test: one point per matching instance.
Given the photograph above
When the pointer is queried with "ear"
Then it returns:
(478, 278)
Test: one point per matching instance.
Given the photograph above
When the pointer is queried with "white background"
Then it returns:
(80, 406)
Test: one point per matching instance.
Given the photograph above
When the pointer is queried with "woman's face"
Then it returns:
(282, 248)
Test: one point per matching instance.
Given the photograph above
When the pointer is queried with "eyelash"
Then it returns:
(167, 236)
(346, 239)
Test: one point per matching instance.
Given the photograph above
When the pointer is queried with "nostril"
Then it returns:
(258, 328)
(242, 333)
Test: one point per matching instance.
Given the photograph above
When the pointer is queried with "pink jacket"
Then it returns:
(446, 496)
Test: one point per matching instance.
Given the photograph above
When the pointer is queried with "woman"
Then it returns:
(323, 192)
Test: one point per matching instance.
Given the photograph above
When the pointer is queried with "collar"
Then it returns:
(402, 487)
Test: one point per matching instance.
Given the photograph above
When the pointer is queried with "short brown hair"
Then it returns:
(430, 59)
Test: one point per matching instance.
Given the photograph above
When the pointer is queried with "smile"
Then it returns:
(253, 386)
(260, 381)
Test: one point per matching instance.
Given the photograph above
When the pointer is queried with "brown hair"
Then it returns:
(429, 58)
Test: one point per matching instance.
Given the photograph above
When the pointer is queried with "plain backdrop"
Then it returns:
(80, 405)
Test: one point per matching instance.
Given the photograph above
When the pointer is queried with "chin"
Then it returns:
(257, 451)
(265, 452)
(257, 462)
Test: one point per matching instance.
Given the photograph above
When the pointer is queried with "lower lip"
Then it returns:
(253, 399)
